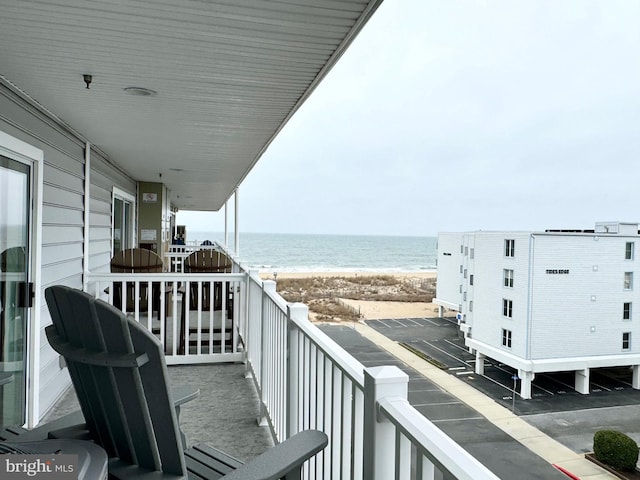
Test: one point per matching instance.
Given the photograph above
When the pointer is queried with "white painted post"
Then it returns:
(525, 383)
(379, 457)
(298, 312)
(635, 378)
(479, 363)
(236, 243)
(226, 225)
(582, 381)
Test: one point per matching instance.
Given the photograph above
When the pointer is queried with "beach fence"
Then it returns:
(355, 311)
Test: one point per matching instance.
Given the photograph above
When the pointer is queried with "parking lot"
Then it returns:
(440, 340)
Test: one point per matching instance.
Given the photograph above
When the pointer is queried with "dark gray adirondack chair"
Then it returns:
(120, 376)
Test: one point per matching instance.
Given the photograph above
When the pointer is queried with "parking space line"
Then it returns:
(533, 385)
(414, 405)
(446, 353)
(415, 323)
(400, 324)
(600, 386)
(457, 346)
(455, 419)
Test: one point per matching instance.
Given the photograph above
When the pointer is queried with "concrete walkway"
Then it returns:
(547, 448)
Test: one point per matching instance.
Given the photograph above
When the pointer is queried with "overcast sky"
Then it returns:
(453, 115)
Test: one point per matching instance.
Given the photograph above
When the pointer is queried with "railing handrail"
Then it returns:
(167, 276)
(439, 448)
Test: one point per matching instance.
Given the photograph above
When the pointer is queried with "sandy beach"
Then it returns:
(372, 310)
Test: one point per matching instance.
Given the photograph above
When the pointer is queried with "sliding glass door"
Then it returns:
(15, 291)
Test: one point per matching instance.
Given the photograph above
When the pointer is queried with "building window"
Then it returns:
(626, 341)
(461, 248)
(460, 268)
(507, 308)
(465, 273)
(509, 248)
(471, 279)
(506, 338)
(122, 214)
(472, 253)
(464, 297)
(471, 306)
(626, 311)
(628, 251)
(628, 280)
(460, 288)
(466, 251)
(508, 278)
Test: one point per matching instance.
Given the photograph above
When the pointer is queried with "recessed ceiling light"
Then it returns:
(140, 91)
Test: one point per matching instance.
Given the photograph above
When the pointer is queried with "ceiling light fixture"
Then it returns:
(140, 91)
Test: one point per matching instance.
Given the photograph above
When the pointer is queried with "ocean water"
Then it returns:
(270, 252)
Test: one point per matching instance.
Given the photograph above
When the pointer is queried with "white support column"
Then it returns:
(297, 311)
(379, 434)
(87, 216)
(479, 363)
(226, 225)
(525, 383)
(236, 243)
(635, 377)
(582, 381)
(440, 311)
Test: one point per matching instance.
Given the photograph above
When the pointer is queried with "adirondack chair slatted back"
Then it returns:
(208, 261)
(136, 260)
(120, 376)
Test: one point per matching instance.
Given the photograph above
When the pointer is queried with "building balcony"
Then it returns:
(266, 372)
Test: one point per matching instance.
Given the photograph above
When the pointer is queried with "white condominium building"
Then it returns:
(553, 301)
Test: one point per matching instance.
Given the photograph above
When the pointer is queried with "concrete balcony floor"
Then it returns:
(224, 415)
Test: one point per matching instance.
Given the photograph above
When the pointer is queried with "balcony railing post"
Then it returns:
(267, 286)
(379, 434)
(298, 312)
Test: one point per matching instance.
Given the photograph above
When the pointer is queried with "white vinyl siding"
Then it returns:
(62, 218)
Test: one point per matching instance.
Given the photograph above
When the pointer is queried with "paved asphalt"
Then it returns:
(503, 455)
(555, 409)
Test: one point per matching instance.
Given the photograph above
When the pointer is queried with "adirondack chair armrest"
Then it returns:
(284, 460)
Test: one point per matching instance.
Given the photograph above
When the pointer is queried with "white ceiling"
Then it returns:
(228, 75)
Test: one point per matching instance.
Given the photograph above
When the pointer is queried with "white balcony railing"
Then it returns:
(304, 379)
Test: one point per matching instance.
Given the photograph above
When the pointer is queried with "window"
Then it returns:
(472, 253)
(460, 288)
(506, 338)
(460, 268)
(628, 251)
(628, 280)
(507, 308)
(466, 251)
(471, 306)
(509, 248)
(508, 278)
(626, 311)
(123, 231)
(464, 297)
(626, 340)
(465, 273)
(461, 248)
(471, 279)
